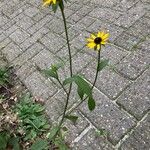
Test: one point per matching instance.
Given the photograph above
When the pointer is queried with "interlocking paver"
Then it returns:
(136, 98)
(92, 141)
(32, 37)
(134, 64)
(108, 116)
(140, 137)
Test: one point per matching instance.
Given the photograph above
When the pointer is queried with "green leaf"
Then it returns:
(14, 141)
(72, 118)
(83, 86)
(61, 144)
(80, 93)
(52, 132)
(50, 73)
(91, 103)
(40, 144)
(4, 138)
(103, 64)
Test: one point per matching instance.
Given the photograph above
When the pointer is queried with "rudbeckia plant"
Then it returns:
(84, 89)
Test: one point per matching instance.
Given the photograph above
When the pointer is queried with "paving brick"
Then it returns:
(19, 36)
(130, 16)
(140, 28)
(92, 141)
(45, 59)
(108, 81)
(75, 129)
(25, 70)
(108, 116)
(134, 64)
(136, 98)
(139, 139)
(105, 14)
(127, 41)
(53, 42)
(28, 54)
(11, 51)
(39, 87)
(31, 11)
(25, 22)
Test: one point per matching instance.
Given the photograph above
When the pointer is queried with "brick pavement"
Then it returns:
(32, 37)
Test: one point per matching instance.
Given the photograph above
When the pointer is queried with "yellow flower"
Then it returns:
(48, 2)
(96, 40)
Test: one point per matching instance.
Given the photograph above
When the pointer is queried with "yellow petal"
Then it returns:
(103, 42)
(99, 34)
(91, 45)
(93, 36)
(106, 36)
(90, 40)
(47, 2)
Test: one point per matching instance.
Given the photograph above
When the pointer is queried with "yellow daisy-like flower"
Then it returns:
(96, 40)
(48, 2)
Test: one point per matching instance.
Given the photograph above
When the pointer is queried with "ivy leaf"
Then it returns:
(40, 144)
(72, 118)
(91, 103)
(103, 64)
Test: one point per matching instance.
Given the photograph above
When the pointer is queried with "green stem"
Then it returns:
(71, 72)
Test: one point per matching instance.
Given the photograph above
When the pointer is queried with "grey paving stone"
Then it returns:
(130, 16)
(75, 129)
(31, 11)
(45, 59)
(127, 41)
(56, 25)
(140, 137)
(25, 22)
(19, 36)
(110, 52)
(39, 87)
(108, 81)
(136, 98)
(108, 116)
(124, 5)
(40, 24)
(79, 61)
(99, 25)
(92, 141)
(105, 14)
(134, 64)
(55, 105)
(4, 43)
(10, 29)
(11, 51)
(25, 70)
(53, 42)
(106, 3)
(34, 38)
(140, 28)
(28, 54)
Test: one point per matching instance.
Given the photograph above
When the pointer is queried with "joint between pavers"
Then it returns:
(127, 135)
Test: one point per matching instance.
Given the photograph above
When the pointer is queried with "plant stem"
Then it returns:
(97, 71)
(71, 72)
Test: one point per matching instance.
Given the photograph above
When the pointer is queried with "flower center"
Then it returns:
(97, 40)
